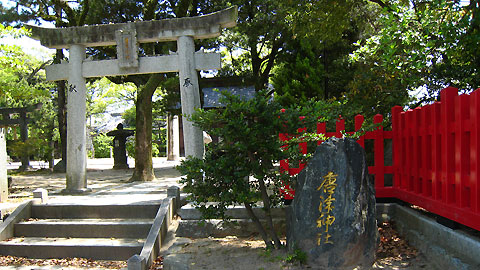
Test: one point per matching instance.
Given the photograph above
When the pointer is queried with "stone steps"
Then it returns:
(92, 248)
(84, 228)
(100, 232)
(62, 211)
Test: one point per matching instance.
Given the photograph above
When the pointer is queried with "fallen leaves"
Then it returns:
(392, 245)
(157, 264)
(71, 262)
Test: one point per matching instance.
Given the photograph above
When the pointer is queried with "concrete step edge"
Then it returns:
(91, 221)
(73, 242)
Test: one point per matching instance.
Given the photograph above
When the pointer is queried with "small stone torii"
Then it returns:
(127, 36)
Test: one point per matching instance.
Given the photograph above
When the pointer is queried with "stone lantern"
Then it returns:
(119, 149)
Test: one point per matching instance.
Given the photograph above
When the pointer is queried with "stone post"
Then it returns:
(24, 136)
(189, 95)
(3, 167)
(173, 137)
(76, 123)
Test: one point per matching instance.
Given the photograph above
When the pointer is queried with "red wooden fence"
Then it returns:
(436, 156)
(378, 136)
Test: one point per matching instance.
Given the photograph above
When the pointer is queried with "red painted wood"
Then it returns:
(436, 153)
(447, 97)
(378, 151)
(396, 149)
(340, 126)
(424, 127)
(475, 151)
(436, 156)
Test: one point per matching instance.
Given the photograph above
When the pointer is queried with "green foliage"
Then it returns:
(22, 78)
(159, 132)
(297, 256)
(130, 146)
(102, 145)
(37, 148)
(312, 70)
(430, 44)
(240, 169)
(22, 84)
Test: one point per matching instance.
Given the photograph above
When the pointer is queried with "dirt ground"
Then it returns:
(210, 253)
(250, 254)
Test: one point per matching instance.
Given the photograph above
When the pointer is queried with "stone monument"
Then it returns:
(119, 146)
(126, 37)
(332, 217)
(3, 167)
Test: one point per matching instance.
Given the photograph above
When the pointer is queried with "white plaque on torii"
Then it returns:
(126, 37)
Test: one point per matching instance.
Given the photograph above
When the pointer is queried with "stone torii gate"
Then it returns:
(127, 36)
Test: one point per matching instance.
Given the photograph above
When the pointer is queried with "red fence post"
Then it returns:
(448, 96)
(416, 154)
(475, 151)
(340, 126)
(396, 145)
(462, 151)
(409, 153)
(379, 153)
(321, 129)
(437, 152)
(425, 151)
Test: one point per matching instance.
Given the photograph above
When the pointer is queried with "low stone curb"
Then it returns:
(177, 261)
(24, 211)
(444, 247)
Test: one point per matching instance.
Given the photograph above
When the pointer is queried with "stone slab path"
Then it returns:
(108, 186)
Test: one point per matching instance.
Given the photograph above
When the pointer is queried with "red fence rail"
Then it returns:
(379, 169)
(436, 156)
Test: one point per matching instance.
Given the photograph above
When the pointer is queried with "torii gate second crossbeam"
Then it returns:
(127, 36)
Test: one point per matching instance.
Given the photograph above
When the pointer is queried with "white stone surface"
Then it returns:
(189, 95)
(3, 167)
(153, 64)
(76, 122)
(41, 194)
(173, 138)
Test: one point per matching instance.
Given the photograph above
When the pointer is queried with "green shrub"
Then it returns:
(240, 169)
(102, 145)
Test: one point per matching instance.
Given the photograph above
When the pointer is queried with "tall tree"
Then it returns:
(422, 44)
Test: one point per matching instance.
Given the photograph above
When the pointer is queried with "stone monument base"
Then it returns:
(75, 191)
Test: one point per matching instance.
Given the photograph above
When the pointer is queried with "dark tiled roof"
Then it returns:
(211, 95)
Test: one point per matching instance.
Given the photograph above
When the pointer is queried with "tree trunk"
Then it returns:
(62, 118)
(268, 214)
(143, 136)
(258, 224)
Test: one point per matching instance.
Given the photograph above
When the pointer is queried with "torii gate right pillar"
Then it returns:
(189, 95)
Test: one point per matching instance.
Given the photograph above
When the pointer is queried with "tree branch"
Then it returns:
(383, 5)
(83, 14)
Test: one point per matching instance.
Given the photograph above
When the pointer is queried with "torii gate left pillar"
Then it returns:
(76, 126)
(126, 36)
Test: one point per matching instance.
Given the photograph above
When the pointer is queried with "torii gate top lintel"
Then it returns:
(201, 27)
